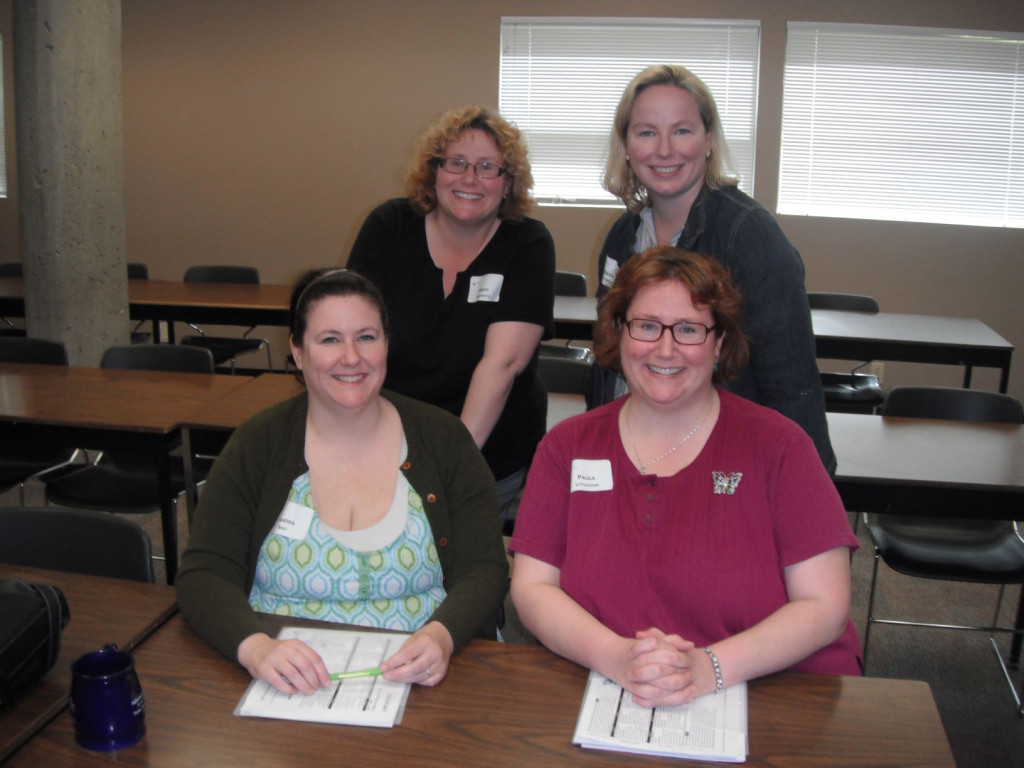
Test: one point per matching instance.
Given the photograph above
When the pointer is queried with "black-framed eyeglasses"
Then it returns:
(483, 170)
(683, 333)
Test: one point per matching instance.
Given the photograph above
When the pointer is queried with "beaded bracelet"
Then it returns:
(718, 670)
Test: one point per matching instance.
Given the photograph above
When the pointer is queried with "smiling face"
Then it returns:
(663, 372)
(343, 357)
(464, 198)
(667, 144)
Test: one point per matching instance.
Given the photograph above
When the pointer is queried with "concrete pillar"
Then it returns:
(67, 60)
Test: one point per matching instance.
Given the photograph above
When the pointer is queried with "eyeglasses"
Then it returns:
(483, 170)
(683, 333)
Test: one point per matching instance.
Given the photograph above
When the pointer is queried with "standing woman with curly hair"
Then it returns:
(468, 281)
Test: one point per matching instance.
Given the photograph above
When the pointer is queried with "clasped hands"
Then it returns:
(661, 670)
(291, 666)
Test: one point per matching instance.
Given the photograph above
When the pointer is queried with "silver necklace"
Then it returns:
(670, 451)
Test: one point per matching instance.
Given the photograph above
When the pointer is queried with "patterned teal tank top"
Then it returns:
(385, 576)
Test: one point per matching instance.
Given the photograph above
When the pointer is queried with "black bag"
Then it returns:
(32, 617)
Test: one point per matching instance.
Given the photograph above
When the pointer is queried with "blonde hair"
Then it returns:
(619, 178)
(420, 178)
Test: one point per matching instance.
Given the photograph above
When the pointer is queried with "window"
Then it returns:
(561, 79)
(903, 124)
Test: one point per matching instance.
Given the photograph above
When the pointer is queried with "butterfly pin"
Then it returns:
(726, 483)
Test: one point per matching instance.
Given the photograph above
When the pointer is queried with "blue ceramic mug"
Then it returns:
(107, 707)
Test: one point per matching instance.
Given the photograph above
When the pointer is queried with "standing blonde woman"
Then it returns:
(668, 163)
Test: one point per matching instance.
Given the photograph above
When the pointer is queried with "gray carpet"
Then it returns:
(973, 698)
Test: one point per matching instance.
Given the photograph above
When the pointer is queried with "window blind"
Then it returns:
(561, 79)
(903, 124)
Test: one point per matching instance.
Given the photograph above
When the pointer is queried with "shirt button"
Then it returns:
(650, 497)
(647, 518)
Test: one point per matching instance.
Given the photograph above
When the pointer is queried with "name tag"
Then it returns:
(591, 475)
(485, 288)
(294, 521)
(611, 269)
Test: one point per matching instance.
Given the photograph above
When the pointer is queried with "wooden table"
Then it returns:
(501, 705)
(110, 409)
(930, 465)
(860, 336)
(102, 611)
(962, 341)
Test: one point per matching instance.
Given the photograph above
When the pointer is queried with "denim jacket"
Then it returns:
(767, 270)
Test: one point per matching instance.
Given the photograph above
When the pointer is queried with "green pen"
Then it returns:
(371, 672)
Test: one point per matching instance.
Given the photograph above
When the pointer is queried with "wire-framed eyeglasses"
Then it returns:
(685, 332)
(485, 169)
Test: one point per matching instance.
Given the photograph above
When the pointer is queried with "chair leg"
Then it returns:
(871, 607)
(1015, 645)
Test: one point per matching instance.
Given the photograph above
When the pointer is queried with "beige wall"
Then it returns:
(263, 131)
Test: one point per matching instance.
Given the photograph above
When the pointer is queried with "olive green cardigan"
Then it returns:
(249, 485)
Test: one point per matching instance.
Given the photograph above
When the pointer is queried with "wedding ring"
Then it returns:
(428, 672)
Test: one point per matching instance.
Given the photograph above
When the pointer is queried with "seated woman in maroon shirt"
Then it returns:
(681, 539)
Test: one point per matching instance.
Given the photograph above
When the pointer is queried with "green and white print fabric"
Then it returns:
(304, 570)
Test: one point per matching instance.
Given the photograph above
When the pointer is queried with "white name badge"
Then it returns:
(294, 521)
(485, 288)
(591, 475)
(611, 269)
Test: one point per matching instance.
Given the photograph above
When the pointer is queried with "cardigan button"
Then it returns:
(443, 541)
(431, 498)
(406, 465)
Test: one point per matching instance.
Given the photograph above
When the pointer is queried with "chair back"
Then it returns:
(77, 540)
(222, 274)
(24, 349)
(564, 375)
(138, 271)
(570, 284)
(846, 302)
(952, 403)
(159, 357)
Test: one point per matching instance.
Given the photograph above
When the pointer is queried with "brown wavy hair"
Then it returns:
(709, 285)
(619, 178)
(422, 172)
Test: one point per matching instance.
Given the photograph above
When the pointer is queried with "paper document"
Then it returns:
(713, 727)
(370, 700)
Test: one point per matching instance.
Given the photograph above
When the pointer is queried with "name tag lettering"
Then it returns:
(485, 288)
(294, 521)
(591, 475)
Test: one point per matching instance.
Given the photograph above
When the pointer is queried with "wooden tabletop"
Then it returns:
(939, 466)
(102, 611)
(106, 399)
(501, 705)
(255, 395)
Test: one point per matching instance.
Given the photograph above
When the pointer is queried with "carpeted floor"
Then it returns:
(973, 698)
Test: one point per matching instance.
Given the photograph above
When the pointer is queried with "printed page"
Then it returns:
(357, 701)
(714, 727)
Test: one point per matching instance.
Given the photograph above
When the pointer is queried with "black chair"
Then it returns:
(20, 459)
(77, 540)
(971, 549)
(849, 392)
(226, 348)
(139, 271)
(567, 284)
(128, 482)
(7, 328)
(564, 375)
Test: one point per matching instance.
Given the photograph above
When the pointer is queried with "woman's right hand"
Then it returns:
(289, 665)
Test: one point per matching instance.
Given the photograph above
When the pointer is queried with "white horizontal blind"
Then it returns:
(903, 124)
(561, 79)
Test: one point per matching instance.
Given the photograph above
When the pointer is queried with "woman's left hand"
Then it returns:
(423, 658)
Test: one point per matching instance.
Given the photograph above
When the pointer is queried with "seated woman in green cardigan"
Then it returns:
(345, 504)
